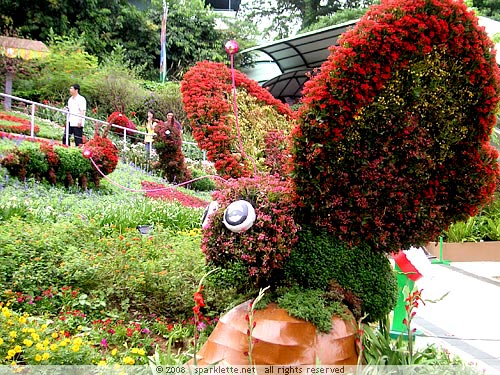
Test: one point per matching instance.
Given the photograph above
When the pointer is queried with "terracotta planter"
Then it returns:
(280, 340)
(488, 251)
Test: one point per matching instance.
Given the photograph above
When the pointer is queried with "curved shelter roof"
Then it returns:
(281, 66)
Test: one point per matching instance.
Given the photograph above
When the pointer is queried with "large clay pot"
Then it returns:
(279, 340)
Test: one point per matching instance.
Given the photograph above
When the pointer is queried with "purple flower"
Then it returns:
(104, 342)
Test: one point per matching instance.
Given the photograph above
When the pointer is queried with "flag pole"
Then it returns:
(163, 47)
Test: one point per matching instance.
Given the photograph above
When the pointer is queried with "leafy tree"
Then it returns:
(285, 15)
(103, 25)
(50, 78)
(488, 8)
(335, 19)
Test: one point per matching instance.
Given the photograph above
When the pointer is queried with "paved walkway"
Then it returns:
(467, 320)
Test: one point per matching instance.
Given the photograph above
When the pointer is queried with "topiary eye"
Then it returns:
(211, 208)
(239, 216)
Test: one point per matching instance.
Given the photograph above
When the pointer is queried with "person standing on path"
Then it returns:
(150, 132)
(77, 105)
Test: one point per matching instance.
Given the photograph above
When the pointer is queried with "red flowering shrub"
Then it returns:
(104, 155)
(277, 153)
(120, 119)
(52, 159)
(392, 144)
(263, 248)
(207, 96)
(16, 163)
(168, 146)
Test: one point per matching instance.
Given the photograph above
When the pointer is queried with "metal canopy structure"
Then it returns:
(293, 58)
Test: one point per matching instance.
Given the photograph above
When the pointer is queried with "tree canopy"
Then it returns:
(104, 25)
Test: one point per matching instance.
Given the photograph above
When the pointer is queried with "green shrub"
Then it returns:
(31, 254)
(37, 161)
(71, 162)
(162, 98)
(320, 258)
(312, 306)
(203, 184)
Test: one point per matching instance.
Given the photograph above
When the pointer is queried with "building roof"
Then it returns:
(22, 48)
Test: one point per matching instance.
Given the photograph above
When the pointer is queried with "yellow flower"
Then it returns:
(6, 312)
(113, 352)
(45, 356)
(38, 358)
(39, 346)
(78, 341)
(101, 363)
(22, 319)
(35, 336)
(11, 353)
(44, 327)
(1, 341)
(18, 349)
(75, 348)
(138, 351)
(128, 360)
(27, 342)
(13, 334)
(53, 347)
(55, 335)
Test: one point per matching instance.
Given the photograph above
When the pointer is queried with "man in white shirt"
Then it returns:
(77, 105)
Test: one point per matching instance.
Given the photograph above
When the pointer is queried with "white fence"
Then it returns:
(34, 105)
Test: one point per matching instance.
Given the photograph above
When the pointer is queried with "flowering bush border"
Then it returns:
(392, 145)
(160, 191)
(23, 128)
(61, 163)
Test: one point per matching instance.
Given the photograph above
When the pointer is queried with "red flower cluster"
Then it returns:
(206, 92)
(199, 303)
(104, 153)
(392, 145)
(120, 119)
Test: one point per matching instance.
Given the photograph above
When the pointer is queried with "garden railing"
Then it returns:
(35, 105)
